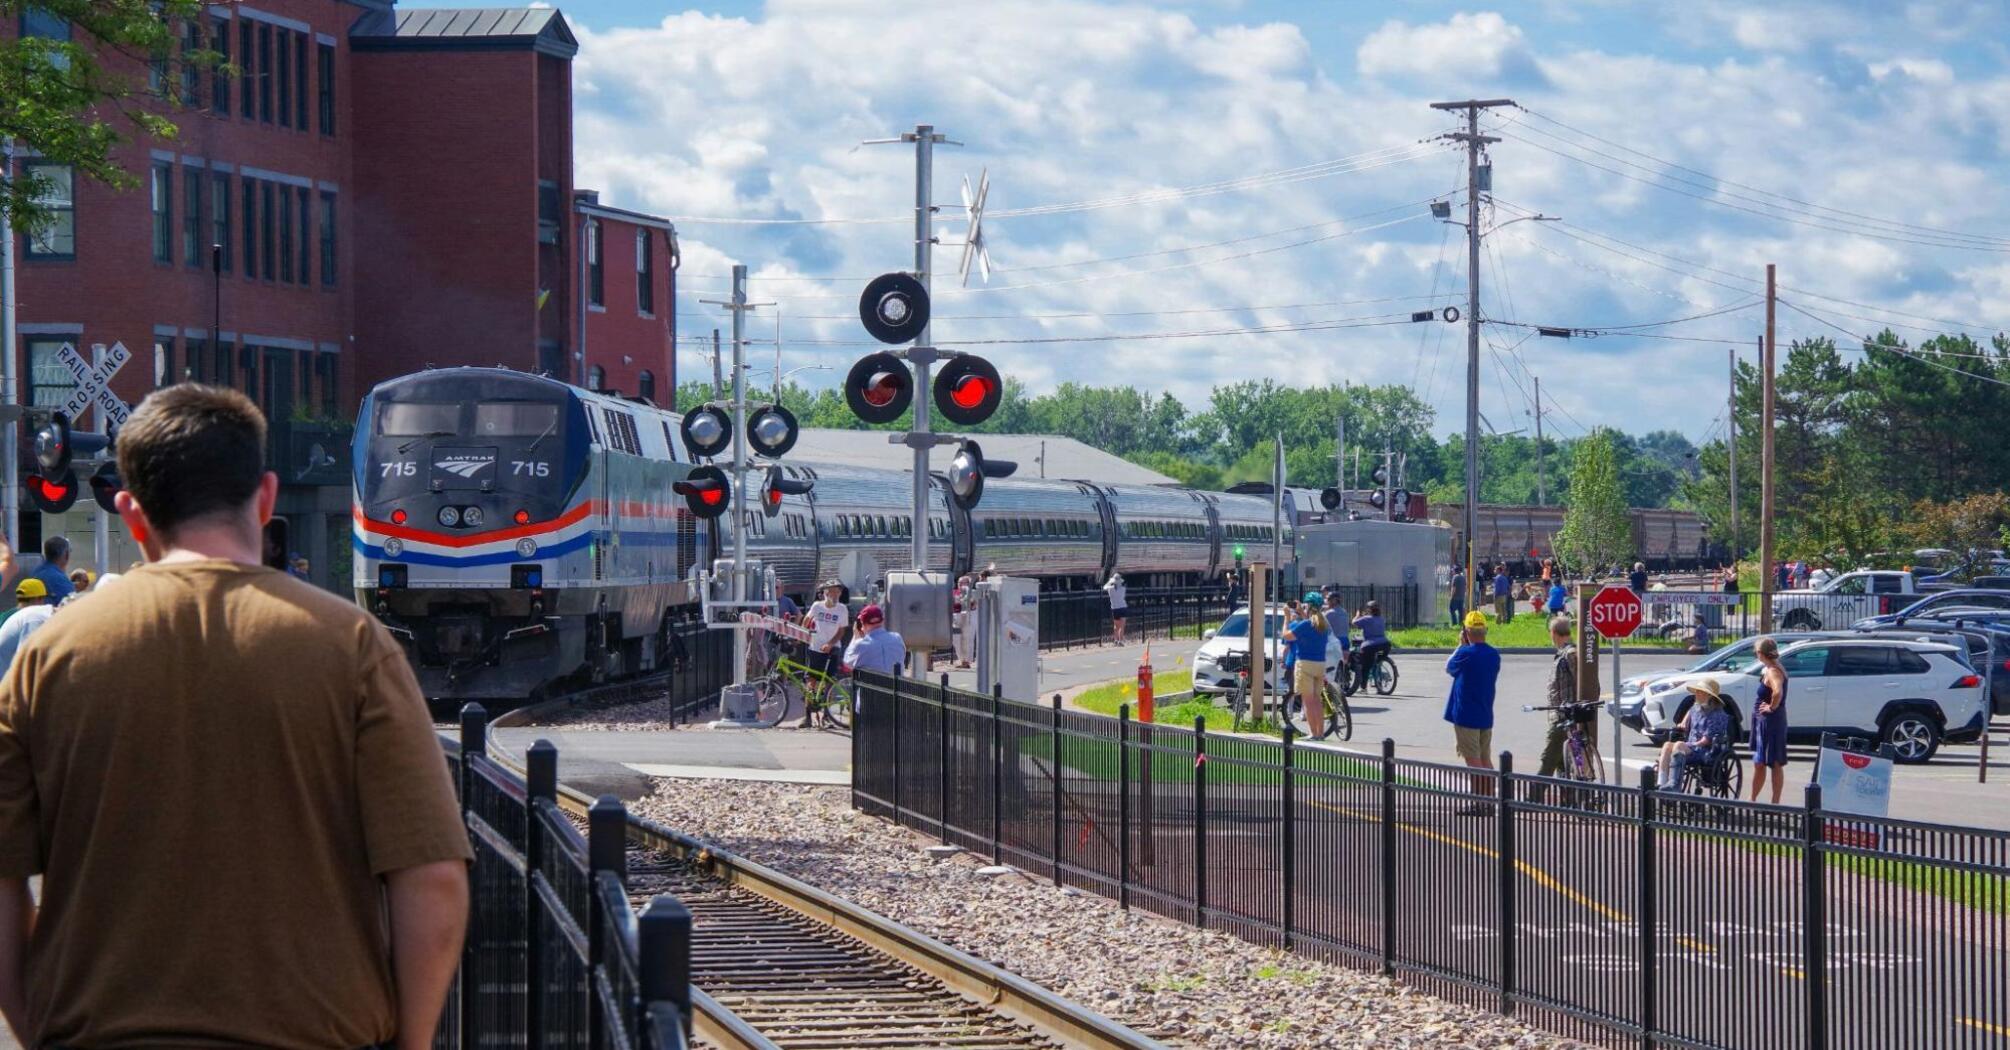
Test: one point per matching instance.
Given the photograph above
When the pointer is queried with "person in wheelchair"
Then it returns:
(1708, 738)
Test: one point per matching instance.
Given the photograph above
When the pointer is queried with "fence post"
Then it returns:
(474, 741)
(1057, 789)
(997, 776)
(1814, 921)
(1649, 1008)
(942, 760)
(895, 701)
(1503, 798)
(1200, 821)
(1290, 830)
(541, 783)
(663, 937)
(1388, 856)
(1124, 806)
(606, 850)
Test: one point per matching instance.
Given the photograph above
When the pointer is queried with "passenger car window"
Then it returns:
(1853, 585)
(1909, 662)
(1863, 660)
(1886, 585)
(1805, 663)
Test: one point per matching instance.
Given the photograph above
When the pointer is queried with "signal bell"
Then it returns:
(52, 495)
(1330, 499)
(52, 446)
(967, 390)
(706, 492)
(879, 388)
(706, 430)
(967, 471)
(771, 430)
(1377, 500)
(779, 485)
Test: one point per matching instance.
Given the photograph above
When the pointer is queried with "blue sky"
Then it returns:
(1865, 141)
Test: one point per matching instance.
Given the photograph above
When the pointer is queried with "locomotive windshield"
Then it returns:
(418, 418)
(515, 418)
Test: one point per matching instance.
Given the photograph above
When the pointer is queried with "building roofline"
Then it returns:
(448, 29)
(603, 211)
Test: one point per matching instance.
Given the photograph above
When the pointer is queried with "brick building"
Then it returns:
(378, 191)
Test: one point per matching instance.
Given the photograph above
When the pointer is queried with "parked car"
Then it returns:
(1233, 637)
(1991, 583)
(1940, 606)
(1987, 642)
(1909, 694)
(1845, 599)
(1729, 659)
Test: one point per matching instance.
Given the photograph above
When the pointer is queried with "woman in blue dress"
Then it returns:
(1769, 721)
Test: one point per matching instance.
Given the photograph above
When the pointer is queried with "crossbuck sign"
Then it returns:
(94, 383)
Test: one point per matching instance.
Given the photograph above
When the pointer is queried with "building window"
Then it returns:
(57, 239)
(163, 204)
(324, 55)
(250, 189)
(304, 246)
(594, 290)
(285, 77)
(49, 382)
(191, 76)
(219, 78)
(247, 68)
(42, 25)
(221, 373)
(596, 378)
(267, 244)
(198, 360)
(285, 234)
(547, 212)
(300, 81)
(265, 74)
(219, 219)
(309, 368)
(327, 239)
(191, 216)
(645, 272)
(645, 385)
(330, 367)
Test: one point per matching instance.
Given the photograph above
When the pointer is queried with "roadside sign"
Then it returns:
(1693, 597)
(94, 383)
(1856, 782)
(1615, 612)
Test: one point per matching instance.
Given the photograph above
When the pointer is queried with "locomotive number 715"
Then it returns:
(535, 469)
(397, 469)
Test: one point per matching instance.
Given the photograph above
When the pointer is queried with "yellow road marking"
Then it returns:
(1535, 874)
(1993, 1029)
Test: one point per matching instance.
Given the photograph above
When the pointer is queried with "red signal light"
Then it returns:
(523, 517)
(970, 392)
(52, 491)
(706, 491)
(397, 517)
(775, 497)
(712, 497)
(880, 392)
(878, 388)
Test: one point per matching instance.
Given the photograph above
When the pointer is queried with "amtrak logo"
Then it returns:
(463, 467)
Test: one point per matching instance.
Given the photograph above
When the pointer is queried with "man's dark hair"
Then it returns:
(190, 451)
(55, 548)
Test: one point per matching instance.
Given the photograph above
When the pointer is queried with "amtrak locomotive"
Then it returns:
(519, 535)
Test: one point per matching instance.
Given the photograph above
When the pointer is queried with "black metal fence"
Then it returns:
(1622, 916)
(1076, 618)
(555, 955)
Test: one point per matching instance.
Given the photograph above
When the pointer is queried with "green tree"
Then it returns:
(1596, 531)
(81, 78)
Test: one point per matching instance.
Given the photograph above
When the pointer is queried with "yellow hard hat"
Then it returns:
(30, 588)
(1476, 620)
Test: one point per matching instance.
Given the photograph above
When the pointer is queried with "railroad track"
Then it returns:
(776, 962)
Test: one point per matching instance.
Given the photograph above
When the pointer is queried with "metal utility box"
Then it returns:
(917, 608)
(1008, 636)
(1379, 553)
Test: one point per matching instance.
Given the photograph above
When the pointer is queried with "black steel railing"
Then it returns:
(555, 954)
(1077, 618)
(1611, 914)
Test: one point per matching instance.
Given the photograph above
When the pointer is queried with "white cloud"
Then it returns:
(1465, 46)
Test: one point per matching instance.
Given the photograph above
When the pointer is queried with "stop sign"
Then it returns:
(1615, 612)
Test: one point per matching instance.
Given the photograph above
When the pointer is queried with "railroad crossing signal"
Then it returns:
(94, 384)
(968, 390)
(879, 388)
(1615, 612)
(106, 485)
(894, 308)
(771, 430)
(973, 240)
(706, 491)
(706, 431)
(967, 471)
(779, 485)
(52, 495)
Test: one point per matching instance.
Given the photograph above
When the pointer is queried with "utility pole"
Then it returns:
(10, 488)
(1541, 469)
(1731, 414)
(1475, 142)
(739, 504)
(1766, 463)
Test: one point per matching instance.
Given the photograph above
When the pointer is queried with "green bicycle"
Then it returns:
(826, 700)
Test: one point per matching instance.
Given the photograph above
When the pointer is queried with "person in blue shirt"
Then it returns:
(876, 648)
(1709, 732)
(1307, 639)
(1557, 596)
(1503, 594)
(1475, 668)
(1336, 624)
(1374, 642)
(54, 572)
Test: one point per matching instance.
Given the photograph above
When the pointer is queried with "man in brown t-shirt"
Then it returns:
(228, 782)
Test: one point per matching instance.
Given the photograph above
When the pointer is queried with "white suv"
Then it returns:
(1909, 694)
(1233, 637)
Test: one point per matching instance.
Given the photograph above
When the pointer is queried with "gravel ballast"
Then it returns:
(1185, 986)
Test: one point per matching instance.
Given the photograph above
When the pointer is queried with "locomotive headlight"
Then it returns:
(526, 547)
(450, 516)
(472, 517)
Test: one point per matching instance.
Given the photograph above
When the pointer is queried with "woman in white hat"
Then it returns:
(1709, 731)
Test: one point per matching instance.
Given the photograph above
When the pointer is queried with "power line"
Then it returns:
(1322, 325)
(1904, 352)
(1251, 307)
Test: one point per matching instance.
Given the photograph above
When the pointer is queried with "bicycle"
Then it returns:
(1581, 761)
(1380, 675)
(826, 699)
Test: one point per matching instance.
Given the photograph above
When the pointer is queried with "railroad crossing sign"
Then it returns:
(1615, 612)
(94, 383)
